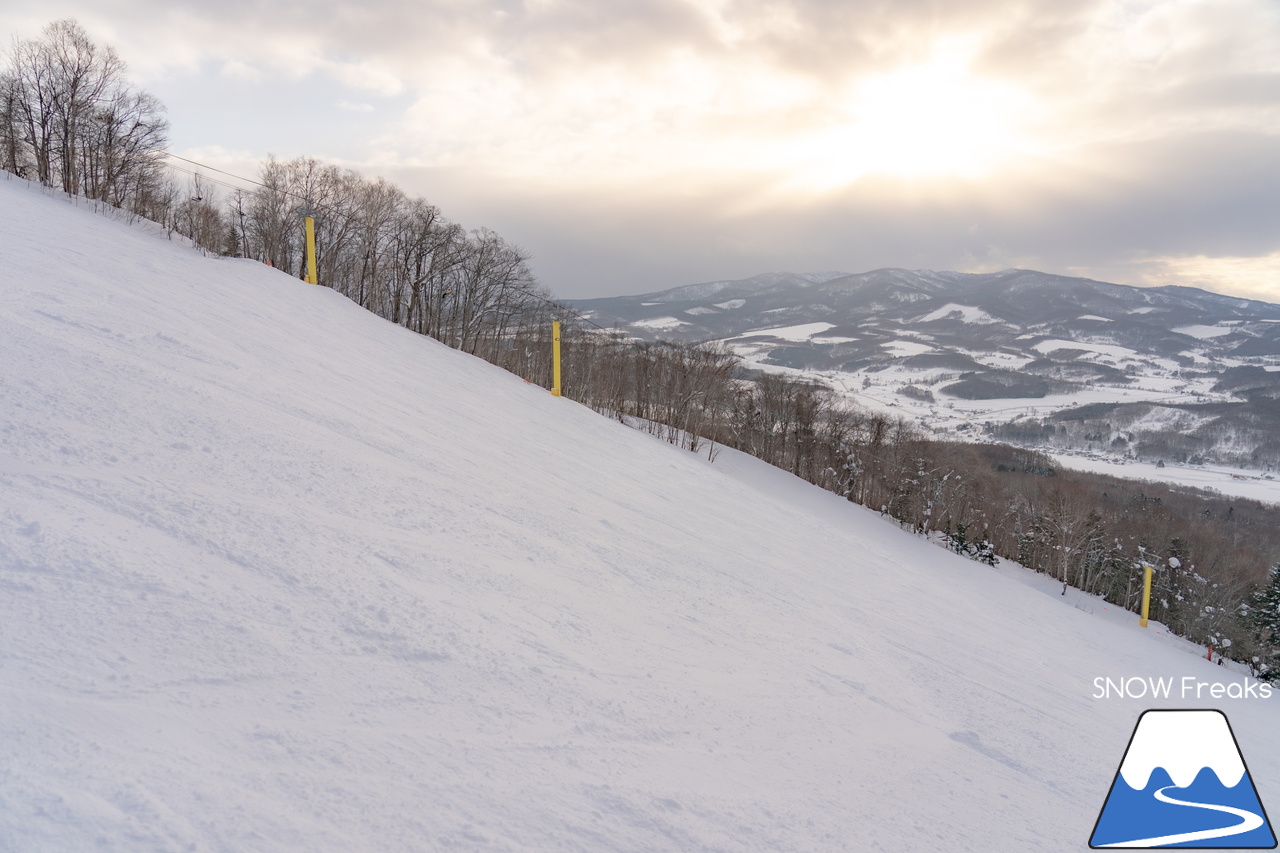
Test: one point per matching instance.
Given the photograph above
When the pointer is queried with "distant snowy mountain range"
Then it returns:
(1164, 373)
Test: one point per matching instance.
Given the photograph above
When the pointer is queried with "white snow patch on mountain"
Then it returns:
(1167, 419)
(997, 359)
(906, 348)
(963, 313)
(1204, 332)
(731, 304)
(1254, 485)
(791, 333)
(1112, 350)
(660, 323)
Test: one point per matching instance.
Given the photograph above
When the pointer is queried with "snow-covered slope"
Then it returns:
(277, 575)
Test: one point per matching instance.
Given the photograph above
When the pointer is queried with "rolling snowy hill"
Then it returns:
(1161, 374)
(277, 575)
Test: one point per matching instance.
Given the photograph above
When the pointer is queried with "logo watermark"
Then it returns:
(1183, 783)
(1185, 688)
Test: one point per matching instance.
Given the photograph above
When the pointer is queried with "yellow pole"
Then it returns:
(311, 250)
(555, 357)
(1146, 594)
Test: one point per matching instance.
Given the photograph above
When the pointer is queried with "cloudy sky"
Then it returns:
(635, 145)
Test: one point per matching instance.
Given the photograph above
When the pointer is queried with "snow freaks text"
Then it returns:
(1187, 687)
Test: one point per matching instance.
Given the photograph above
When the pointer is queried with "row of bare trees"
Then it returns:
(69, 119)
(395, 255)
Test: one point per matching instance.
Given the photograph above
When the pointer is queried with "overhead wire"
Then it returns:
(331, 211)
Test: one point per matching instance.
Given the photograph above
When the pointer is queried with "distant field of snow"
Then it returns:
(1102, 349)
(791, 333)
(660, 323)
(731, 304)
(700, 310)
(1204, 332)
(906, 348)
(1003, 360)
(277, 575)
(948, 414)
(963, 313)
(1163, 419)
(1228, 481)
(1094, 317)
(878, 388)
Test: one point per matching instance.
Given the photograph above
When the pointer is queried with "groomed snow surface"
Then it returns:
(276, 575)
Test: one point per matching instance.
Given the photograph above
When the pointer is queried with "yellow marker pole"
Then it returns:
(311, 250)
(1146, 594)
(555, 357)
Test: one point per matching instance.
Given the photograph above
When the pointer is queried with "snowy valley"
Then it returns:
(1098, 374)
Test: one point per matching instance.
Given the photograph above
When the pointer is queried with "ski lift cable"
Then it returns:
(577, 315)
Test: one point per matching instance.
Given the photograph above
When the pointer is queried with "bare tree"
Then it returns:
(69, 119)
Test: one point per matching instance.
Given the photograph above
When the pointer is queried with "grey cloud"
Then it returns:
(1156, 189)
(1038, 44)
(1209, 194)
(586, 32)
(822, 38)
(829, 40)
(833, 36)
(1219, 91)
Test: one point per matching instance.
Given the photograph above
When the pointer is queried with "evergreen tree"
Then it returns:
(1264, 609)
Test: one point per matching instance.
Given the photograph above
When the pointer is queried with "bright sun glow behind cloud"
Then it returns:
(933, 119)
(687, 121)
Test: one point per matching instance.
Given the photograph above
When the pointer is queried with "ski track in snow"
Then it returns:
(277, 575)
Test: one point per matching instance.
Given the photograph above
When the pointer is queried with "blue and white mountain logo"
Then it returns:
(1183, 783)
